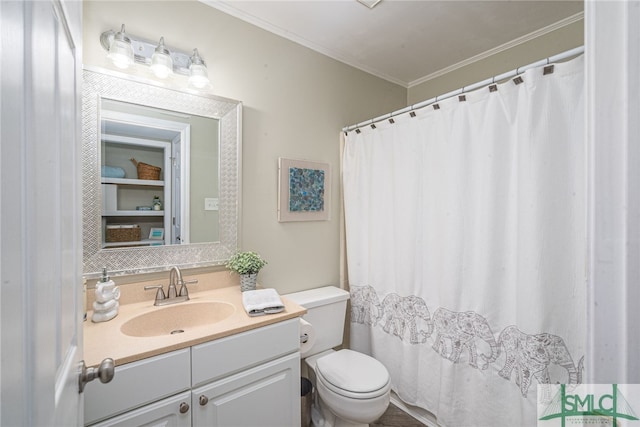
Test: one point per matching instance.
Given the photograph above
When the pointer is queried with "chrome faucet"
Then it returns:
(172, 296)
(175, 278)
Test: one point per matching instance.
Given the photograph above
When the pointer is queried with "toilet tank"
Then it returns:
(326, 310)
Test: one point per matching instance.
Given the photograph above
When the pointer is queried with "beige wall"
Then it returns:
(295, 103)
(203, 181)
(549, 44)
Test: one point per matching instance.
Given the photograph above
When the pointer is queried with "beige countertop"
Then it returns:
(105, 339)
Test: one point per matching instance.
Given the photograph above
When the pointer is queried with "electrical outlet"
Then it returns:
(210, 204)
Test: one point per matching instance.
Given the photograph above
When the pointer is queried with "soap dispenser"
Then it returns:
(107, 295)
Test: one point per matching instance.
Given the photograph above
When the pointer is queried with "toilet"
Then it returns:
(353, 389)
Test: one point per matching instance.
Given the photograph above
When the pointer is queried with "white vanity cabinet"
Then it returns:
(251, 379)
(248, 379)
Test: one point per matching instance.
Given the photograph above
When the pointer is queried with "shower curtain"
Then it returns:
(466, 246)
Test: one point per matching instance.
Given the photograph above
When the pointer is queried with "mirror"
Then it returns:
(147, 155)
(121, 114)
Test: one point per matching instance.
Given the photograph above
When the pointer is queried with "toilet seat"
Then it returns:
(353, 375)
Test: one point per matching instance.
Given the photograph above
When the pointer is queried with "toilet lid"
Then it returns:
(353, 372)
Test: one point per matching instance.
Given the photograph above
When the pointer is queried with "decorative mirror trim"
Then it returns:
(137, 260)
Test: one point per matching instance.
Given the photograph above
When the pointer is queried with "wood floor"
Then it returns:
(394, 417)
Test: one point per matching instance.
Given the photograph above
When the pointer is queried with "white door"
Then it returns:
(40, 233)
(176, 191)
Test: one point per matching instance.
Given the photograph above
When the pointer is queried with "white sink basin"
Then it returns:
(175, 319)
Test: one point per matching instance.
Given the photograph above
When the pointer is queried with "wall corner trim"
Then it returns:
(511, 44)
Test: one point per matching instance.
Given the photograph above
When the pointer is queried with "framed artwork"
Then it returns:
(304, 190)
(156, 234)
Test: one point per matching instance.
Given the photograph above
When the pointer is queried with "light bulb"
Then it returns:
(161, 62)
(198, 75)
(121, 51)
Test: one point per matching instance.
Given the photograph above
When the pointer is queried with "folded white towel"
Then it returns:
(262, 301)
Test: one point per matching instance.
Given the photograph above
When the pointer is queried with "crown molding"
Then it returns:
(509, 45)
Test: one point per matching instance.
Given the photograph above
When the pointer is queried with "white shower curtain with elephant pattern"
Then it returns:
(466, 246)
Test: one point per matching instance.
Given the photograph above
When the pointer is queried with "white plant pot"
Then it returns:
(248, 282)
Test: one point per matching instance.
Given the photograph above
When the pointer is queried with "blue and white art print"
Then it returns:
(304, 189)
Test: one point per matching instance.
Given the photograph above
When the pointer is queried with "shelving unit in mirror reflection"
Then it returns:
(130, 209)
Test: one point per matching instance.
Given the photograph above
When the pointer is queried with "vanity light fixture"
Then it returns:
(162, 60)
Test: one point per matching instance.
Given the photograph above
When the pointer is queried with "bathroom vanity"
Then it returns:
(238, 370)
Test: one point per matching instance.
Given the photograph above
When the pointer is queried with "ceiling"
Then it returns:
(405, 41)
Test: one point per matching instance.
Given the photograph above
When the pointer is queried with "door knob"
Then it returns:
(203, 400)
(105, 372)
(184, 407)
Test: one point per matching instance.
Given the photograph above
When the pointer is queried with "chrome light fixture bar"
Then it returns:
(124, 49)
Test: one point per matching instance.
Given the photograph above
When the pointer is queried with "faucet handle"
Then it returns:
(171, 292)
(184, 292)
(159, 294)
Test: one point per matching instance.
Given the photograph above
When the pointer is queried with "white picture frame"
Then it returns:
(156, 233)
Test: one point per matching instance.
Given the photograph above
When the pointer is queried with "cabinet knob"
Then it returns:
(203, 400)
(184, 407)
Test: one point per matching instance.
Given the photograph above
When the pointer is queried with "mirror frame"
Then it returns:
(105, 84)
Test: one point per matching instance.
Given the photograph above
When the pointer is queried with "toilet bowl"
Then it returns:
(352, 388)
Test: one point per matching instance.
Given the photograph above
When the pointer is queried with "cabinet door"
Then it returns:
(265, 396)
(171, 412)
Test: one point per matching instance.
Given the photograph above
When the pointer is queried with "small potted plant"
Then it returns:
(247, 265)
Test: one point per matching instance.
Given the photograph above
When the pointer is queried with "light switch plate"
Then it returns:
(210, 204)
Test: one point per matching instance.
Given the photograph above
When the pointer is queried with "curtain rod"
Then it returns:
(504, 76)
